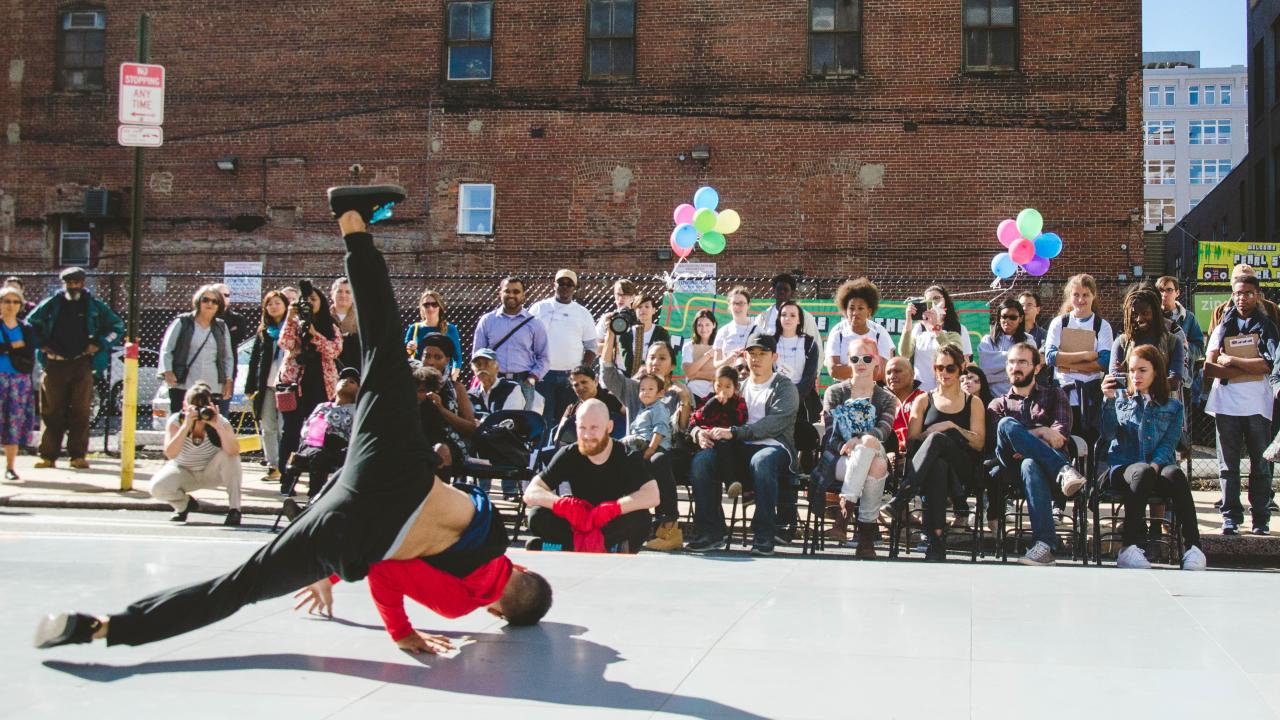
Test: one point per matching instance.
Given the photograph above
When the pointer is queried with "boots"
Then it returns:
(837, 521)
(868, 533)
(666, 538)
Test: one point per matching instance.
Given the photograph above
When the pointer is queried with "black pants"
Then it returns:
(388, 473)
(937, 469)
(312, 394)
(668, 503)
(632, 527)
(1138, 483)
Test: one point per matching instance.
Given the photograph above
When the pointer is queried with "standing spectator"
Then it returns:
(937, 325)
(311, 350)
(1241, 351)
(343, 304)
(1144, 424)
(571, 341)
(1030, 303)
(635, 341)
(239, 326)
(202, 452)
(265, 361)
(15, 282)
(17, 360)
(858, 300)
(732, 338)
(431, 314)
(1183, 318)
(516, 337)
(948, 430)
(1144, 324)
(769, 454)
(1271, 310)
(798, 360)
(77, 331)
(698, 357)
(1079, 372)
(1007, 330)
(1033, 426)
(624, 291)
(197, 348)
(784, 290)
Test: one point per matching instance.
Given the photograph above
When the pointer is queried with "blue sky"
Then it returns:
(1216, 28)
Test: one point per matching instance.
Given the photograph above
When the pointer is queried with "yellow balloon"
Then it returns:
(728, 222)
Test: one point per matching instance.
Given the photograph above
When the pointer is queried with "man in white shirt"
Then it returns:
(571, 341)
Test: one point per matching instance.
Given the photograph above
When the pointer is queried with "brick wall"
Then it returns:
(902, 172)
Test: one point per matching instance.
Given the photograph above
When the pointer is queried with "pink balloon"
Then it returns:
(1007, 232)
(684, 214)
(1036, 266)
(1022, 250)
(680, 252)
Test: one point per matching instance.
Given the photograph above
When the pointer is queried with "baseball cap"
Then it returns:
(441, 341)
(485, 353)
(567, 273)
(764, 342)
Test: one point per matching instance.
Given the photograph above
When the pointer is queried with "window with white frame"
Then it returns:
(1160, 132)
(1224, 93)
(475, 209)
(1160, 172)
(1153, 94)
(1209, 172)
(1169, 91)
(75, 241)
(1160, 211)
(1210, 94)
(1193, 95)
(1210, 132)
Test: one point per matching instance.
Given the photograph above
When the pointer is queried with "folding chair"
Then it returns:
(1077, 534)
(1099, 493)
(529, 429)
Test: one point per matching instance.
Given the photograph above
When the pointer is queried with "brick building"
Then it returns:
(853, 136)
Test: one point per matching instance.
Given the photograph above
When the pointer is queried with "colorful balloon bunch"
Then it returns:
(699, 225)
(1032, 256)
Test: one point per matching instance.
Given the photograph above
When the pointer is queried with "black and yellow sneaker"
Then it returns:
(373, 202)
(65, 629)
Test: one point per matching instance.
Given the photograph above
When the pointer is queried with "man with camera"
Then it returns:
(516, 337)
(203, 452)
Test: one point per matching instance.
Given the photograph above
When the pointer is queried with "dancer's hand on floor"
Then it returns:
(420, 642)
(320, 595)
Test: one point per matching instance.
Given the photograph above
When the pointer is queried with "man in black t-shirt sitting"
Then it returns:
(612, 492)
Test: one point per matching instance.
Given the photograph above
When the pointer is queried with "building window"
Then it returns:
(1160, 211)
(475, 209)
(611, 39)
(990, 35)
(80, 55)
(1209, 132)
(1193, 95)
(1225, 94)
(1209, 172)
(1210, 94)
(1160, 132)
(470, 45)
(1160, 172)
(1193, 204)
(76, 241)
(835, 40)
(1169, 91)
(1153, 95)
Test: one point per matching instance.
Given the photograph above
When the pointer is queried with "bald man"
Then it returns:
(611, 490)
(387, 517)
(899, 377)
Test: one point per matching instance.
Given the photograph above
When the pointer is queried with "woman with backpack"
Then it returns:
(197, 348)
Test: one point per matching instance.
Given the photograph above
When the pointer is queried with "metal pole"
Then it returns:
(129, 402)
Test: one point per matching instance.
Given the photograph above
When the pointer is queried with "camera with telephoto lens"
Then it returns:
(623, 320)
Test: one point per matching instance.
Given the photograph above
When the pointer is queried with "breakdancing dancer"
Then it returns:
(387, 517)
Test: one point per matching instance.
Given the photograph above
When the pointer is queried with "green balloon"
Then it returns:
(704, 220)
(1030, 223)
(712, 243)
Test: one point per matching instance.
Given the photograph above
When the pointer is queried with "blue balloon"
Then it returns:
(1048, 245)
(706, 197)
(686, 235)
(1003, 266)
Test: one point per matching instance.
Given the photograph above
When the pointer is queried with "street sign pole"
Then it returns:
(129, 406)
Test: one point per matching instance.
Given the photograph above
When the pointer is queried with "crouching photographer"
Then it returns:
(203, 452)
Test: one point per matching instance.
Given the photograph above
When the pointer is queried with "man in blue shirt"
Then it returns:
(516, 338)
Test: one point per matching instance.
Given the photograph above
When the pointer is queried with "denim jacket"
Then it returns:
(1149, 435)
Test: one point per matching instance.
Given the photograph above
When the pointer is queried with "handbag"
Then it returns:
(287, 397)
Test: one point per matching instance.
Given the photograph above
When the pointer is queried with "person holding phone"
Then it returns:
(202, 452)
(1142, 421)
(930, 325)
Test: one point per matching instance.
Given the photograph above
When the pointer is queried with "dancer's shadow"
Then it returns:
(546, 662)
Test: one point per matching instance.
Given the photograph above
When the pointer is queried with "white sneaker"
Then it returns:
(1272, 453)
(1132, 558)
(1039, 554)
(1193, 559)
(1071, 480)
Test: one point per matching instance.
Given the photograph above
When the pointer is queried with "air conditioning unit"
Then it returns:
(101, 203)
(74, 248)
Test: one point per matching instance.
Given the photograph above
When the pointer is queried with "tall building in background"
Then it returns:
(1196, 126)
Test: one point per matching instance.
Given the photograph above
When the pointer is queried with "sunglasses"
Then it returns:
(948, 369)
(10, 302)
(855, 359)
(211, 301)
(1010, 318)
(430, 303)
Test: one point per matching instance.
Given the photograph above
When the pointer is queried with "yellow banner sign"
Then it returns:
(1216, 259)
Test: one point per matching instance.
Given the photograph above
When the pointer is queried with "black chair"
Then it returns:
(1100, 494)
(1077, 534)
(529, 429)
(789, 487)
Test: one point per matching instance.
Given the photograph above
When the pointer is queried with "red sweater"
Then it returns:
(390, 581)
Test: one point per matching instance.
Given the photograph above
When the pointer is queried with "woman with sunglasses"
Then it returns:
(17, 360)
(948, 430)
(1007, 330)
(197, 348)
(432, 320)
(265, 361)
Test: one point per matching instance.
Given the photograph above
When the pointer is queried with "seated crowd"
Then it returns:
(907, 434)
